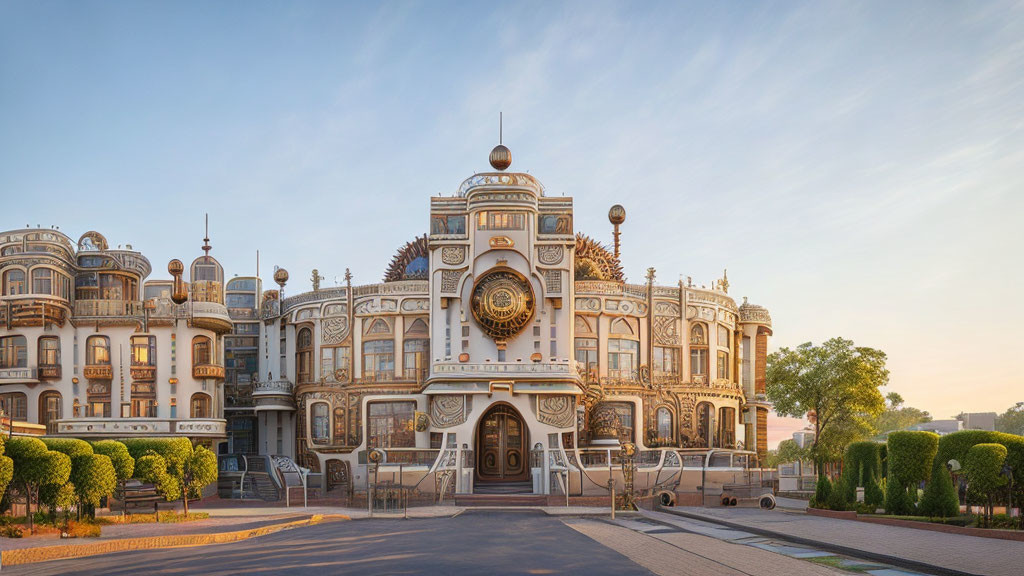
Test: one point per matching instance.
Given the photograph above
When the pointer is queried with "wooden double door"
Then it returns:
(501, 446)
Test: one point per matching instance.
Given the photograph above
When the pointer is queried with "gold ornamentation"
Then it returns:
(403, 264)
(501, 242)
(422, 421)
(502, 303)
(595, 262)
(665, 331)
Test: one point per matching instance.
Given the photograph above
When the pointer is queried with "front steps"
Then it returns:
(502, 494)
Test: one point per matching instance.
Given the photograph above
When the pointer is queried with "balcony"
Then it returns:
(272, 388)
(210, 316)
(98, 389)
(208, 371)
(275, 395)
(141, 427)
(32, 310)
(49, 371)
(98, 372)
(143, 373)
(107, 308)
(18, 376)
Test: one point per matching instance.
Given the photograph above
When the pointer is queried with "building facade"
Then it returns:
(89, 348)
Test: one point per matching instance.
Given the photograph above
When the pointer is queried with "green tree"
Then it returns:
(837, 383)
(58, 497)
(983, 466)
(124, 464)
(179, 471)
(6, 470)
(896, 416)
(1012, 421)
(910, 454)
(92, 474)
(35, 467)
(788, 451)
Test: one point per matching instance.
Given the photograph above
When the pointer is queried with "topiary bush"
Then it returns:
(983, 466)
(176, 468)
(822, 491)
(862, 466)
(837, 498)
(92, 474)
(910, 455)
(35, 467)
(6, 470)
(120, 459)
(955, 447)
(940, 499)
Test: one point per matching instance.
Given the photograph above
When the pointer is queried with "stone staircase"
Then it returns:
(503, 494)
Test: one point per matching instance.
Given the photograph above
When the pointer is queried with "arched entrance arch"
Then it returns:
(501, 441)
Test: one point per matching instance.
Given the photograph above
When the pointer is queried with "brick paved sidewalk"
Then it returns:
(952, 552)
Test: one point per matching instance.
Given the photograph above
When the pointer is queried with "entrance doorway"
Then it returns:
(501, 446)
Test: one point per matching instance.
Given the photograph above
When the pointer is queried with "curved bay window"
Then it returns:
(623, 358)
(202, 351)
(663, 427)
(50, 410)
(14, 283)
(320, 421)
(304, 356)
(13, 352)
(390, 425)
(97, 351)
(15, 405)
(48, 281)
(200, 405)
(698, 354)
(416, 358)
(379, 360)
(666, 363)
(726, 428)
(705, 412)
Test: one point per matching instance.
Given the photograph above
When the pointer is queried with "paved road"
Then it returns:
(471, 543)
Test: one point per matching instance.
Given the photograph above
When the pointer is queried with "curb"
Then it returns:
(846, 550)
(63, 552)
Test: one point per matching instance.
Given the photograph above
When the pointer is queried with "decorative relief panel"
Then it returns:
(553, 281)
(588, 305)
(450, 280)
(502, 303)
(333, 330)
(666, 332)
(550, 255)
(453, 255)
(666, 309)
(375, 306)
(557, 411)
(447, 411)
(415, 304)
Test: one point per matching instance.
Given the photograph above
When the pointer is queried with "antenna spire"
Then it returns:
(206, 238)
(500, 128)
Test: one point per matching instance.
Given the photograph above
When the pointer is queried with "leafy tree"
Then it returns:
(58, 497)
(178, 471)
(896, 416)
(837, 382)
(35, 467)
(92, 474)
(788, 451)
(910, 455)
(6, 470)
(983, 466)
(124, 464)
(1012, 421)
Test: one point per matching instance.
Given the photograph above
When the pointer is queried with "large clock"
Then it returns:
(502, 303)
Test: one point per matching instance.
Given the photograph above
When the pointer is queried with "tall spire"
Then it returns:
(206, 238)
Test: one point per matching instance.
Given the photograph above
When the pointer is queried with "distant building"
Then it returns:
(803, 438)
(979, 421)
(940, 427)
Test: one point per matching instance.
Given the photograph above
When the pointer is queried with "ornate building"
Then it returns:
(89, 348)
(503, 332)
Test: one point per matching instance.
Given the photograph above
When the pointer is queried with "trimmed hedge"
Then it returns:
(822, 491)
(910, 455)
(171, 464)
(940, 495)
(862, 466)
(6, 469)
(35, 467)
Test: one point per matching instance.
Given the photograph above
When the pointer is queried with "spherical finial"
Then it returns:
(501, 157)
(175, 267)
(617, 214)
(281, 276)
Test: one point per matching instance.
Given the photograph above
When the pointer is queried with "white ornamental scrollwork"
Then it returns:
(453, 255)
(557, 411)
(447, 411)
(550, 255)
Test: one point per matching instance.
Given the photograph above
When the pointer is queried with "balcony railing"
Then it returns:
(98, 372)
(98, 389)
(99, 427)
(204, 371)
(49, 371)
(272, 388)
(143, 373)
(107, 308)
(18, 374)
(32, 310)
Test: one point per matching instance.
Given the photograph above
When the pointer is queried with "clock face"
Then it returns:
(502, 303)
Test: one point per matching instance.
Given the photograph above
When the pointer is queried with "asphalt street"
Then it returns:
(474, 542)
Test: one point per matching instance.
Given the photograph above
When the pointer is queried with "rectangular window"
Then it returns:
(666, 361)
(586, 356)
(723, 337)
(415, 360)
(698, 363)
(443, 224)
(723, 364)
(42, 281)
(500, 220)
(390, 425)
(15, 404)
(554, 349)
(143, 351)
(379, 360)
(49, 351)
(13, 352)
(623, 358)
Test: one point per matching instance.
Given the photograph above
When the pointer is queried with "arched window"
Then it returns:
(200, 405)
(663, 417)
(304, 356)
(416, 358)
(15, 405)
(13, 352)
(379, 360)
(14, 283)
(50, 410)
(202, 351)
(698, 335)
(704, 413)
(97, 351)
(698, 354)
(321, 423)
(726, 428)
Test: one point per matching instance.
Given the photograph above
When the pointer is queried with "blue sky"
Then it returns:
(856, 166)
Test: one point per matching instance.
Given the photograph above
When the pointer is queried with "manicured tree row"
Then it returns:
(940, 498)
(36, 467)
(172, 465)
(910, 455)
(862, 466)
(120, 459)
(92, 475)
(6, 470)
(983, 466)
